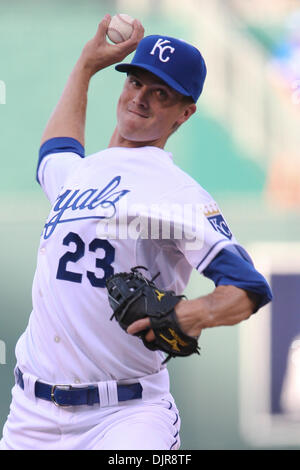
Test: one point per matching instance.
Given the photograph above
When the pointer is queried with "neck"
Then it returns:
(118, 141)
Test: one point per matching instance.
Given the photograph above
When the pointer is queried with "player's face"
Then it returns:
(149, 110)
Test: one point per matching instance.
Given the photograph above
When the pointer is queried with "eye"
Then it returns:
(134, 81)
(162, 93)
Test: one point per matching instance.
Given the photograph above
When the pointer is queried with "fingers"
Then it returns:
(138, 31)
(138, 325)
(141, 325)
(131, 44)
(150, 336)
(102, 29)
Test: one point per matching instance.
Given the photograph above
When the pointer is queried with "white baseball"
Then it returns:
(120, 28)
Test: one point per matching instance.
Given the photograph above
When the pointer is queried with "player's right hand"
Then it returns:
(98, 53)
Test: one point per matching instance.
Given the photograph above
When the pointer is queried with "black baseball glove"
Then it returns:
(132, 297)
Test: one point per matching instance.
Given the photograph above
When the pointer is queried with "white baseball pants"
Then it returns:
(35, 424)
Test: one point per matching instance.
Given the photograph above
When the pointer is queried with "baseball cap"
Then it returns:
(179, 64)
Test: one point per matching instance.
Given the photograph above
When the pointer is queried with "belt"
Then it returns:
(66, 395)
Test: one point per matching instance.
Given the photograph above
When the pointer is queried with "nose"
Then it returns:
(141, 98)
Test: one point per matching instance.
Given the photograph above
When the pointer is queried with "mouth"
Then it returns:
(138, 114)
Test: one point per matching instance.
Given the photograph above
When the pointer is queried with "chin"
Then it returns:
(135, 138)
(133, 130)
(135, 135)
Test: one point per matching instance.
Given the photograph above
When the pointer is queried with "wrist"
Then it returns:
(85, 68)
(203, 311)
(189, 314)
(206, 311)
(200, 310)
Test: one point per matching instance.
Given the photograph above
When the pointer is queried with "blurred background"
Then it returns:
(242, 146)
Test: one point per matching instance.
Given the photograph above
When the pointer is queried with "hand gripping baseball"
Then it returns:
(133, 297)
(98, 53)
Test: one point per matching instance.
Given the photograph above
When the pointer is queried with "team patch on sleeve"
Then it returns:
(215, 218)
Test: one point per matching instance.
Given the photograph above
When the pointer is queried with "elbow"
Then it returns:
(260, 296)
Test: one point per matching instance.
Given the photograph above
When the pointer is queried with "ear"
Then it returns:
(185, 115)
(189, 111)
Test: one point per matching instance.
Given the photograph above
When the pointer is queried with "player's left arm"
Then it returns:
(226, 305)
(240, 291)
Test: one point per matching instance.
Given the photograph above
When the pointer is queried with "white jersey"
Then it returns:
(70, 337)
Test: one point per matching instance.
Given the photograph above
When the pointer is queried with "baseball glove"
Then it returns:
(132, 297)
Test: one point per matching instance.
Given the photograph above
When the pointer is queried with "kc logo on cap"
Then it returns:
(158, 46)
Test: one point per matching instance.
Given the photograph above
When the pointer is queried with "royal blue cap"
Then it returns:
(176, 62)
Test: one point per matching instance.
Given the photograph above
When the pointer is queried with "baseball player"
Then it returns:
(81, 381)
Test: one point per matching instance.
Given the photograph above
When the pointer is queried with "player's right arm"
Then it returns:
(62, 144)
(68, 118)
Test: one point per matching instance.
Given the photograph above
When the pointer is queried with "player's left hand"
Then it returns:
(136, 300)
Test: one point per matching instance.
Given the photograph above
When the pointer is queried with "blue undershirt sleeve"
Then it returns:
(233, 266)
(59, 145)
